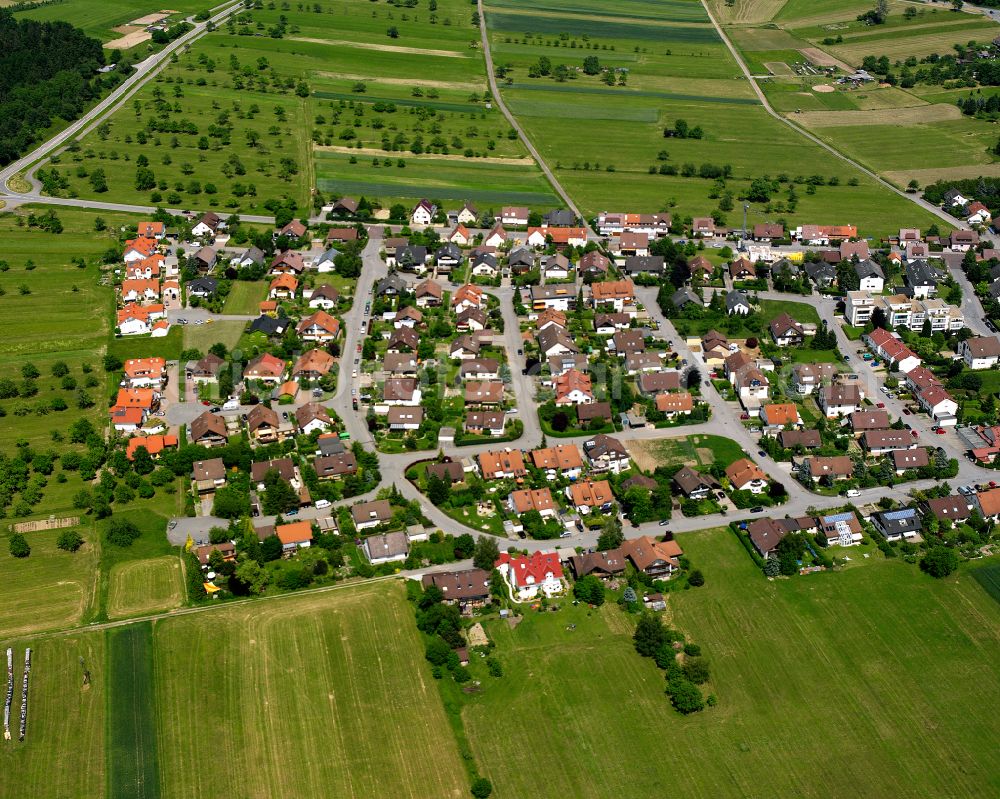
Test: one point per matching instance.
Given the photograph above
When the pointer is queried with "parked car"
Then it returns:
(664, 522)
(758, 509)
(762, 453)
(853, 492)
(906, 411)
(879, 404)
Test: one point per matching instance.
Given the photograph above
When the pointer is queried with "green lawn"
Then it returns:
(98, 17)
(877, 658)
(245, 296)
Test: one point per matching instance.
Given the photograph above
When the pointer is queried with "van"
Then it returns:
(232, 404)
(323, 503)
(853, 492)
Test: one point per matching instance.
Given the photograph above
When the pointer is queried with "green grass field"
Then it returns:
(144, 586)
(697, 451)
(245, 297)
(132, 740)
(49, 589)
(876, 678)
(63, 752)
(324, 694)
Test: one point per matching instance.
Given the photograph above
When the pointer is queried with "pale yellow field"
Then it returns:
(144, 586)
(937, 112)
(925, 176)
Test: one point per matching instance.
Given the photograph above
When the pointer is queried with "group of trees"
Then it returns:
(653, 640)
(48, 70)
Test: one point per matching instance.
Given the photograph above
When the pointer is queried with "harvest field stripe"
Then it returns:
(458, 108)
(599, 29)
(133, 771)
(371, 189)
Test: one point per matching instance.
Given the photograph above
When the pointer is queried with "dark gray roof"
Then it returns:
(736, 298)
(868, 268)
(921, 273)
(269, 325)
(448, 250)
(560, 218)
(654, 264)
(521, 255)
(203, 284)
(685, 296)
(392, 284)
(411, 255)
(821, 273)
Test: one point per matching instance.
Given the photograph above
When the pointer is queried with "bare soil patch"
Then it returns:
(823, 88)
(152, 19)
(823, 59)
(385, 48)
(129, 40)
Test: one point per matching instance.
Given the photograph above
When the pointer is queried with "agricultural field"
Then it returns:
(131, 751)
(63, 752)
(875, 658)
(894, 131)
(144, 586)
(322, 694)
(51, 588)
(234, 122)
(98, 18)
(645, 83)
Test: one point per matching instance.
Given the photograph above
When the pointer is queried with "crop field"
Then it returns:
(201, 337)
(435, 178)
(50, 588)
(132, 743)
(98, 17)
(325, 694)
(63, 752)
(144, 586)
(876, 658)
(661, 73)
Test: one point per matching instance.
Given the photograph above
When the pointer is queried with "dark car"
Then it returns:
(758, 509)
(665, 522)
(762, 453)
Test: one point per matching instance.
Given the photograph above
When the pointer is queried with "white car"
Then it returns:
(354, 373)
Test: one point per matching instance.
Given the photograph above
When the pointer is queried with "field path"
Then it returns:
(484, 31)
(384, 48)
(931, 208)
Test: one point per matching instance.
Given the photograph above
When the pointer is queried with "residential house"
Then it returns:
(403, 339)
(905, 459)
(326, 261)
(653, 383)
(208, 430)
(606, 454)
(559, 296)
(765, 535)
(371, 514)
(657, 559)
(588, 495)
(559, 218)
(341, 234)
(554, 340)
(465, 297)
(939, 404)
(283, 287)
(556, 267)
(266, 368)
(527, 499)
(334, 467)
(988, 504)
(737, 303)
(843, 529)
(639, 362)
(480, 369)
(449, 471)
(684, 297)
(484, 264)
(573, 388)
(980, 352)
(145, 372)
(520, 260)
(858, 308)
(837, 467)
(468, 215)
(955, 508)
(550, 316)
(471, 320)
(821, 273)
(414, 258)
(496, 237)
(593, 265)
(401, 391)
(208, 475)
(703, 227)
(387, 548)
(311, 417)
(896, 525)
(318, 326)
(464, 348)
(423, 213)
(485, 423)
(448, 255)
(263, 425)
(890, 349)
(514, 215)
(562, 458)
(500, 464)
(154, 445)
(751, 386)
(672, 405)
(403, 417)
(428, 294)
(603, 565)
(627, 342)
(592, 412)
(529, 575)
(559, 236)
(793, 439)
(324, 297)
(288, 262)
(206, 227)
(807, 377)
(695, 485)
(880, 442)
(786, 331)
(469, 588)
(742, 269)
(270, 326)
(745, 475)
(484, 394)
(459, 235)
(645, 265)
(768, 232)
(614, 293)
(391, 285)
(700, 266)
(870, 275)
(410, 317)
(202, 287)
(839, 400)
(778, 415)
(865, 421)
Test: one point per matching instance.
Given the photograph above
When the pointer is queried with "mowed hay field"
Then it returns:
(49, 589)
(62, 754)
(144, 586)
(318, 695)
(875, 681)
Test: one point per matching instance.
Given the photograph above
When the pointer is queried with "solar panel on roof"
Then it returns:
(838, 517)
(895, 515)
